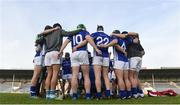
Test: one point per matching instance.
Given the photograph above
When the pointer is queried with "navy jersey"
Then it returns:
(77, 39)
(66, 66)
(118, 55)
(101, 38)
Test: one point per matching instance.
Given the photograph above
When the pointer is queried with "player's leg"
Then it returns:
(47, 62)
(55, 63)
(139, 88)
(87, 83)
(105, 76)
(54, 80)
(33, 88)
(133, 76)
(74, 83)
(118, 66)
(127, 81)
(97, 65)
(75, 73)
(106, 80)
(84, 61)
(48, 81)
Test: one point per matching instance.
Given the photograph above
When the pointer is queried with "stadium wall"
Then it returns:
(6, 75)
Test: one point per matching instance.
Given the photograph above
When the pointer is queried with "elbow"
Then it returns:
(88, 37)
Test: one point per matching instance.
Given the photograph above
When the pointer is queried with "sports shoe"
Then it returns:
(74, 98)
(141, 95)
(52, 96)
(135, 95)
(60, 97)
(47, 96)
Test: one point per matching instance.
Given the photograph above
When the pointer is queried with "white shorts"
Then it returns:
(38, 61)
(135, 63)
(52, 58)
(102, 61)
(67, 76)
(121, 65)
(79, 58)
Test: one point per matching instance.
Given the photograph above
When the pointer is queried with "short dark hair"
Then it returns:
(100, 28)
(124, 32)
(67, 55)
(47, 27)
(116, 32)
(57, 25)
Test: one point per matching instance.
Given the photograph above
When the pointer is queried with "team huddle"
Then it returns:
(101, 76)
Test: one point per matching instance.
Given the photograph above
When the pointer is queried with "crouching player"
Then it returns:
(66, 73)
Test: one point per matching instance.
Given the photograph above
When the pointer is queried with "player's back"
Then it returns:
(78, 38)
(101, 38)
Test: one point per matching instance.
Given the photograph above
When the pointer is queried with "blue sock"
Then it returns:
(98, 95)
(108, 93)
(74, 95)
(134, 90)
(88, 95)
(33, 91)
(122, 93)
(139, 90)
(128, 94)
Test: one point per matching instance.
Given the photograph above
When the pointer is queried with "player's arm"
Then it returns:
(70, 33)
(141, 49)
(63, 47)
(79, 45)
(132, 34)
(119, 48)
(112, 43)
(90, 40)
(46, 32)
(118, 35)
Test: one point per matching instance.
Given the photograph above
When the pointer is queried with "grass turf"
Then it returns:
(12, 98)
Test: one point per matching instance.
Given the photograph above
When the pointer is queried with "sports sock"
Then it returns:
(33, 91)
(108, 93)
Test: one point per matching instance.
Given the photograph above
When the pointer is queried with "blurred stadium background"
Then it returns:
(18, 81)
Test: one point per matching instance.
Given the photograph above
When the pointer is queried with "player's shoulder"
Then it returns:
(84, 32)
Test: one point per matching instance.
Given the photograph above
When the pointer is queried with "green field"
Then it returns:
(12, 98)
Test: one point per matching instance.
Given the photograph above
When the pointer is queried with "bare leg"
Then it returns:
(74, 83)
(97, 73)
(87, 83)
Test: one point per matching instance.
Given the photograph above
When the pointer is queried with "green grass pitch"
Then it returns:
(12, 98)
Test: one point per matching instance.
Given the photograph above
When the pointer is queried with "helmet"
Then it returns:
(81, 26)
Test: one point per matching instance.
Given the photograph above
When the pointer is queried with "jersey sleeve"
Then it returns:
(93, 35)
(86, 33)
(128, 40)
(70, 38)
